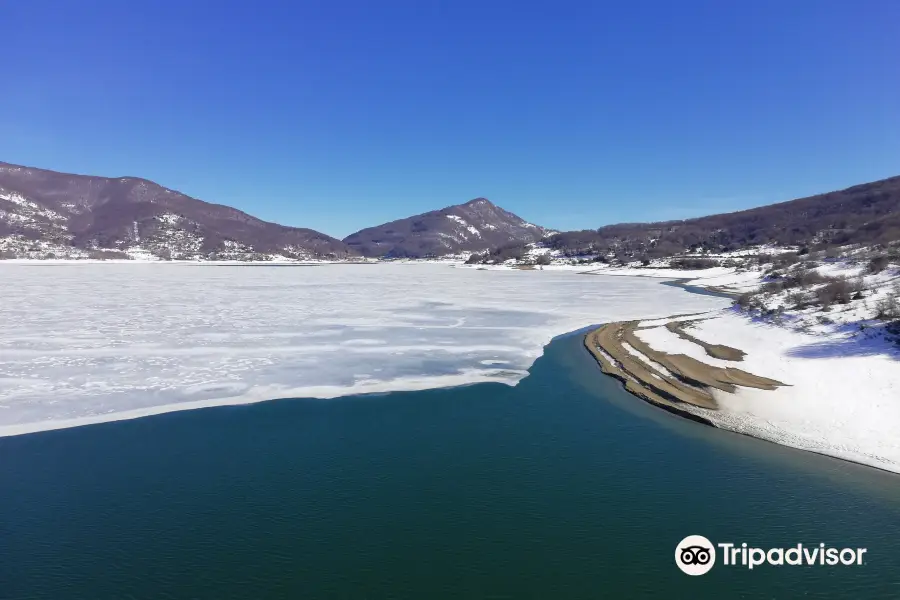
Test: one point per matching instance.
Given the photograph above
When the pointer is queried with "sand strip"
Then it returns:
(713, 350)
(680, 380)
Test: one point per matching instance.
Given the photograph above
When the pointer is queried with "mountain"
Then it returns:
(471, 227)
(866, 214)
(45, 214)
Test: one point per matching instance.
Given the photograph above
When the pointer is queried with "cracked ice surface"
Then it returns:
(86, 343)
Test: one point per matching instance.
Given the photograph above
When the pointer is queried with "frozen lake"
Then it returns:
(87, 343)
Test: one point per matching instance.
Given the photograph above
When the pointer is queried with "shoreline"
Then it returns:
(654, 377)
(608, 367)
(669, 381)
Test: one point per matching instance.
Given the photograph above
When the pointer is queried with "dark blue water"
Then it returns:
(562, 487)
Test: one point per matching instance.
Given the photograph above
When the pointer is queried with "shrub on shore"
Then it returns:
(806, 288)
(888, 308)
(878, 264)
(786, 259)
(839, 290)
(107, 255)
(749, 301)
(694, 263)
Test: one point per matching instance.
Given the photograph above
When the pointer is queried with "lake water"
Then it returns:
(562, 487)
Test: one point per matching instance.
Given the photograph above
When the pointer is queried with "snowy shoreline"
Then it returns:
(842, 397)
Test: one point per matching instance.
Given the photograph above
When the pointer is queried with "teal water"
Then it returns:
(562, 487)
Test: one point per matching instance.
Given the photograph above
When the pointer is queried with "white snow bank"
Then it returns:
(844, 394)
(97, 342)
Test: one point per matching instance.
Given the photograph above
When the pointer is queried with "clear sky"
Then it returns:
(338, 114)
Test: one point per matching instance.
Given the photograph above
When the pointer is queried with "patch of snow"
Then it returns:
(448, 236)
(140, 254)
(660, 338)
(29, 210)
(169, 219)
(18, 199)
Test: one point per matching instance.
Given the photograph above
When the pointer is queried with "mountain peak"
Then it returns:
(475, 226)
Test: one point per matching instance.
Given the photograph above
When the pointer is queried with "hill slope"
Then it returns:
(58, 214)
(864, 214)
(474, 226)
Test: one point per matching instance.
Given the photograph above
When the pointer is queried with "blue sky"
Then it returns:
(337, 115)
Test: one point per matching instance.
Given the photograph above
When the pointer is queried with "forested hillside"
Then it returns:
(867, 214)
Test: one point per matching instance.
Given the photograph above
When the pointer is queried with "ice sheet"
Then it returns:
(86, 343)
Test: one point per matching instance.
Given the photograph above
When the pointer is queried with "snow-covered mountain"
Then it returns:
(46, 214)
(474, 226)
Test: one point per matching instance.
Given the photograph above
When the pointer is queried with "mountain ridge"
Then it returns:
(866, 214)
(48, 212)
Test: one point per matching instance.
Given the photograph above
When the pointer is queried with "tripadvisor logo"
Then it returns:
(696, 555)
